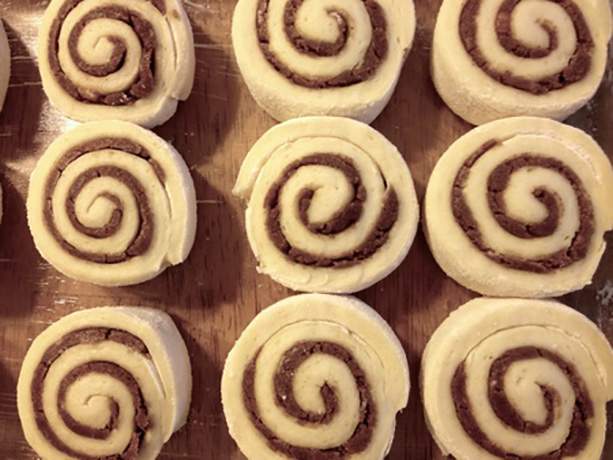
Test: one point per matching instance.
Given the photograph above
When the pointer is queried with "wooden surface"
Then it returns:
(217, 292)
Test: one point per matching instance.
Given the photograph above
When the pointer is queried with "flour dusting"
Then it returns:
(604, 295)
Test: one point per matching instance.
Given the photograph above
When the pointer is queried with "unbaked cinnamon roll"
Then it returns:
(315, 376)
(105, 383)
(493, 59)
(129, 60)
(521, 379)
(519, 207)
(113, 204)
(332, 207)
(332, 57)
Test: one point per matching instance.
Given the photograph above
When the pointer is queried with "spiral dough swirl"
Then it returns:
(340, 221)
(98, 203)
(143, 84)
(370, 61)
(501, 58)
(291, 52)
(327, 399)
(578, 65)
(87, 391)
(497, 184)
(583, 410)
(290, 363)
(92, 335)
(329, 206)
(5, 64)
(528, 199)
(142, 240)
(117, 60)
(533, 384)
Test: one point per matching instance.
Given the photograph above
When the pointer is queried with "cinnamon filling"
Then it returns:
(284, 392)
(578, 65)
(497, 184)
(91, 336)
(371, 61)
(145, 81)
(583, 411)
(144, 237)
(339, 222)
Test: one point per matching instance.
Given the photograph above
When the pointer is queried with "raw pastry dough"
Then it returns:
(332, 57)
(111, 203)
(519, 207)
(105, 382)
(332, 206)
(522, 379)
(5, 64)
(129, 60)
(493, 59)
(315, 376)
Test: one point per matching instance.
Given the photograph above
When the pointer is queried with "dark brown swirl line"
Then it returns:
(375, 53)
(583, 411)
(91, 336)
(578, 66)
(144, 84)
(497, 183)
(291, 360)
(339, 222)
(144, 236)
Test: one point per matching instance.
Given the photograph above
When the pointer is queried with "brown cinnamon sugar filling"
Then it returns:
(284, 391)
(341, 221)
(582, 413)
(371, 61)
(578, 66)
(91, 336)
(497, 184)
(144, 237)
(145, 81)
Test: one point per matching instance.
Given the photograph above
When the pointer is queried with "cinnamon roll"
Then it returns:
(521, 379)
(332, 207)
(332, 57)
(129, 60)
(501, 58)
(111, 203)
(105, 383)
(315, 376)
(519, 207)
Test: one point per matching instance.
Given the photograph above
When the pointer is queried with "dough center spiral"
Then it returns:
(339, 222)
(291, 360)
(142, 84)
(91, 335)
(360, 71)
(583, 410)
(497, 183)
(578, 64)
(142, 240)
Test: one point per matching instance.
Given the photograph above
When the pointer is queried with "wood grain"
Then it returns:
(217, 292)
